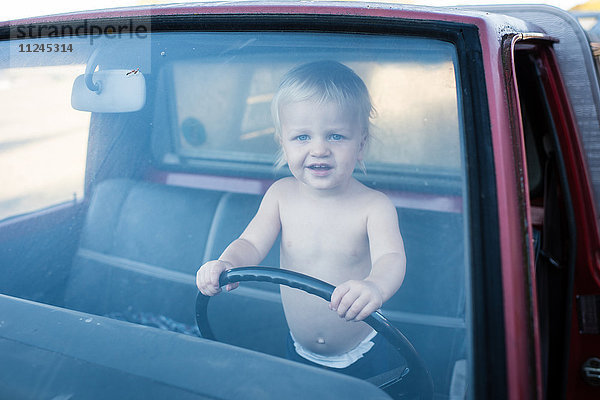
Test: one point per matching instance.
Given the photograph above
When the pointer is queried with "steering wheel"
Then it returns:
(418, 373)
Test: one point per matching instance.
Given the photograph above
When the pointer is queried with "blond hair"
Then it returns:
(323, 81)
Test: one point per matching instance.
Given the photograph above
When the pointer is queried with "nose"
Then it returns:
(320, 148)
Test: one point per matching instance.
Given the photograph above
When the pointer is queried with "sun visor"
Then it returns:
(109, 91)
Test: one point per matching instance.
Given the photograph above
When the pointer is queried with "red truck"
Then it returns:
(137, 143)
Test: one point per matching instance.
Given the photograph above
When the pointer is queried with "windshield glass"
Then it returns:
(130, 161)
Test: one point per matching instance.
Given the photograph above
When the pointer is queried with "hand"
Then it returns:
(356, 300)
(207, 277)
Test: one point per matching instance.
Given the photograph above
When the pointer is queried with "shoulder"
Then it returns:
(378, 205)
(382, 215)
(282, 186)
(281, 189)
(373, 198)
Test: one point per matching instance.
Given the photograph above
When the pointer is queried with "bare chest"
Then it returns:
(328, 234)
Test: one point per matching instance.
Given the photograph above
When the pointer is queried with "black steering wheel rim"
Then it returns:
(324, 290)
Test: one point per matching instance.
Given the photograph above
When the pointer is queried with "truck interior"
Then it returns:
(168, 187)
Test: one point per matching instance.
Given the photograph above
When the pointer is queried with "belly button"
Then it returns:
(321, 341)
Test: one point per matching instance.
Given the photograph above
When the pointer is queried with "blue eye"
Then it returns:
(302, 138)
(336, 137)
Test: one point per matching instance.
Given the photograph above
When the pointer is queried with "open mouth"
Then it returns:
(320, 167)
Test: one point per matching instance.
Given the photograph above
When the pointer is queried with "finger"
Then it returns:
(202, 280)
(206, 286)
(199, 279)
(231, 286)
(337, 295)
(369, 309)
(356, 307)
(208, 290)
(346, 302)
(215, 273)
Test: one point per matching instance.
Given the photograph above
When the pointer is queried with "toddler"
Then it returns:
(332, 227)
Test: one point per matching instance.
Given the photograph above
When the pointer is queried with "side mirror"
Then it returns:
(109, 91)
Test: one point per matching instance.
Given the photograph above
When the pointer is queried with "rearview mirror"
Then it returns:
(109, 91)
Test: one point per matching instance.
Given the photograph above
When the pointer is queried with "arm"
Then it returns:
(387, 249)
(355, 300)
(249, 249)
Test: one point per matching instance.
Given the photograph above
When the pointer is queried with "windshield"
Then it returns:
(124, 191)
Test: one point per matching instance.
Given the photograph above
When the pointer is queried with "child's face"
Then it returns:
(321, 142)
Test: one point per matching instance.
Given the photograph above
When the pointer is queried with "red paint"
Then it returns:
(375, 10)
(587, 280)
(528, 263)
(516, 304)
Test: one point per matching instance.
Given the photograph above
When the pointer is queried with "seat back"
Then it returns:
(140, 247)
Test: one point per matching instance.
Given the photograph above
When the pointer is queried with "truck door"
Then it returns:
(562, 225)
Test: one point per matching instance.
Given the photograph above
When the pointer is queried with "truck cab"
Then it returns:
(137, 143)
